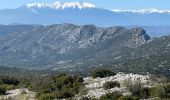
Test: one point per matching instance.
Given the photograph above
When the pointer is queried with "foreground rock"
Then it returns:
(95, 88)
(18, 94)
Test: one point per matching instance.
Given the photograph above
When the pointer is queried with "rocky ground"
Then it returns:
(95, 88)
(18, 94)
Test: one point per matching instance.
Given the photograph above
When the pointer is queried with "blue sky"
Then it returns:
(108, 4)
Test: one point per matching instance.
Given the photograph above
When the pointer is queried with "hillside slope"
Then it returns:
(66, 44)
(68, 47)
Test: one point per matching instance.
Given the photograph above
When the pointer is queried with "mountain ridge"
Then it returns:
(67, 41)
(73, 48)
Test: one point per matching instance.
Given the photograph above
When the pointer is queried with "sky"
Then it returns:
(107, 4)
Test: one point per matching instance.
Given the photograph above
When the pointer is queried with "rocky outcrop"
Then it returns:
(95, 88)
(19, 94)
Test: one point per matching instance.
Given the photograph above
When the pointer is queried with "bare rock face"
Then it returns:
(45, 46)
(139, 37)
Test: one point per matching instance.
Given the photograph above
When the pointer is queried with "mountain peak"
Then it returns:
(142, 11)
(62, 5)
(141, 32)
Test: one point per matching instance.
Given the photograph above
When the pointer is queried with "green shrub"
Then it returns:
(111, 96)
(8, 87)
(76, 88)
(111, 84)
(8, 80)
(158, 91)
(59, 87)
(87, 98)
(128, 98)
(167, 87)
(24, 84)
(137, 89)
(63, 94)
(2, 91)
(45, 97)
(134, 87)
(78, 79)
(68, 94)
(101, 73)
(144, 93)
(167, 90)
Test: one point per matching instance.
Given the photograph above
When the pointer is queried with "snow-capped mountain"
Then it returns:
(82, 13)
(142, 11)
(62, 5)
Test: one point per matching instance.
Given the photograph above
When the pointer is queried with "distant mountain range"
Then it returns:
(155, 22)
(72, 48)
(82, 13)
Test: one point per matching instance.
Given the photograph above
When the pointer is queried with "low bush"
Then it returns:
(7, 83)
(111, 84)
(101, 73)
(167, 90)
(58, 87)
(8, 87)
(87, 98)
(161, 91)
(62, 94)
(2, 91)
(8, 80)
(45, 97)
(135, 87)
(128, 98)
(111, 96)
(117, 96)
(144, 93)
